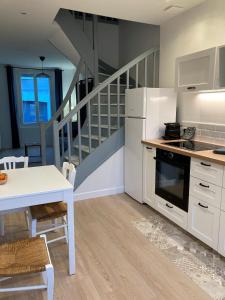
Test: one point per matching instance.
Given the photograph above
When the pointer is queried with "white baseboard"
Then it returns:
(98, 193)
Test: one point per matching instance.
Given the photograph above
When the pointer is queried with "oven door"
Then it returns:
(172, 178)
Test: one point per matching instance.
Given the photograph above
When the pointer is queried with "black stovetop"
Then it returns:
(193, 145)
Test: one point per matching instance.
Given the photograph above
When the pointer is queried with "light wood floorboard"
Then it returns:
(114, 260)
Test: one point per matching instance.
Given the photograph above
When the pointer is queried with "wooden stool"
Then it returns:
(27, 256)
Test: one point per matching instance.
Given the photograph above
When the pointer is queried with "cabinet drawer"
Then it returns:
(172, 212)
(203, 221)
(206, 191)
(207, 171)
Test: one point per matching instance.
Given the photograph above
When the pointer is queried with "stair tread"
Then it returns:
(106, 115)
(83, 148)
(104, 126)
(107, 104)
(74, 159)
(104, 74)
(121, 84)
(94, 137)
(112, 94)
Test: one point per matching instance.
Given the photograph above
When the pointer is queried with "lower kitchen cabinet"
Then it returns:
(203, 222)
(172, 212)
(149, 176)
(221, 245)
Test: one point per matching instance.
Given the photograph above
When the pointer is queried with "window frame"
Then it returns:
(32, 73)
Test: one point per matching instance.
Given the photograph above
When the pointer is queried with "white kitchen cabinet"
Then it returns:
(196, 71)
(221, 244)
(172, 212)
(220, 68)
(203, 221)
(207, 171)
(206, 191)
(149, 176)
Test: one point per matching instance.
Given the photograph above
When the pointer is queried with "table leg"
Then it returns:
(71, 233)
(2, 225)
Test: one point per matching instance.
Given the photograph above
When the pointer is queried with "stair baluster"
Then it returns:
(146, 71)
(109, 114)
(118, 102)
(99, 118)
(137, 65)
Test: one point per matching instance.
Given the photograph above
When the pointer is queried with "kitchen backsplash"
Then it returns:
(210, 132)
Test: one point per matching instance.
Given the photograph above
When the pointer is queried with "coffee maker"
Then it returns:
(172, 131)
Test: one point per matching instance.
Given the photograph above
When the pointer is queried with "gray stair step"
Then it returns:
(115, 104)
(104, 74)
(112, 94)
(74, 160)
(106, 115)
(104, 126)
(83, 148)
(93, 137)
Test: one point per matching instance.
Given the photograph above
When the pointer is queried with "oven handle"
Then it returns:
(203, 206)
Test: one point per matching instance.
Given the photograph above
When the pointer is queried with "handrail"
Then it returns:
(103, 85)
(67, 97)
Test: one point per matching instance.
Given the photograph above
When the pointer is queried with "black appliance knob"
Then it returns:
(170, 155)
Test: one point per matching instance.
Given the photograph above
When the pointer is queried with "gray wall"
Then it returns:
(5, 127)
(135, 38)
(108, 41)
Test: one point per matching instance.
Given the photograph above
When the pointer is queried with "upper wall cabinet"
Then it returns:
(220, 68)
(195, 72)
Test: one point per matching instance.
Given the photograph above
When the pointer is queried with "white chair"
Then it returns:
(11, 162)
(52, 211)
(29, 256)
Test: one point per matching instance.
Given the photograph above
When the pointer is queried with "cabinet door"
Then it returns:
(196, 71)
(203, 222)
(221, 245)
(149, 176)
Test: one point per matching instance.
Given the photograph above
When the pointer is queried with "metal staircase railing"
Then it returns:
(141, 70)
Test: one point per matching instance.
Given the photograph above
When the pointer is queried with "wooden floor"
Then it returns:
(114, 260)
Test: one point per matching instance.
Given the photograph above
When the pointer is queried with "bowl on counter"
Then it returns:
(3, 178)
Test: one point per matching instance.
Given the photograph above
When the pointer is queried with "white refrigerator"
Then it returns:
(146, 111)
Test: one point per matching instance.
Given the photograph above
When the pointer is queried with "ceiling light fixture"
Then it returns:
(42, 74)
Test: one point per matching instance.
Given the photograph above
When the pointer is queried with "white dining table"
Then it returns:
(38, 185)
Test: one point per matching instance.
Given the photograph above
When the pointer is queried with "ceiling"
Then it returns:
(24, 37)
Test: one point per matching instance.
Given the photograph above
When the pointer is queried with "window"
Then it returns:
(36, 99)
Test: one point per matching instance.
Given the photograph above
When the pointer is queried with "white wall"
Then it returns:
(108, 179)
(200, 28)
(5, 125)
(135, 38)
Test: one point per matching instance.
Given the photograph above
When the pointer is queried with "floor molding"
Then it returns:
(98, 193)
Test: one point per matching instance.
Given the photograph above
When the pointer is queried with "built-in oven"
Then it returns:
(172, 178)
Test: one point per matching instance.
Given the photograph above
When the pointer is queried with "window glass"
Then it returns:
(36, 99)
(44, 98)
(27, 88)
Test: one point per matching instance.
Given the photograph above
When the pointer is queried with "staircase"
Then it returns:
(102, 132)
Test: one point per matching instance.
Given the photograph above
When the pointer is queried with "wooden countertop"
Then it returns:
(205, 155)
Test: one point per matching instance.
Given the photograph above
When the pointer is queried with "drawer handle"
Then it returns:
(203, 185)
(206, 165)
(204, 206)
(191, 88)
(169, 205)
(148, 148)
